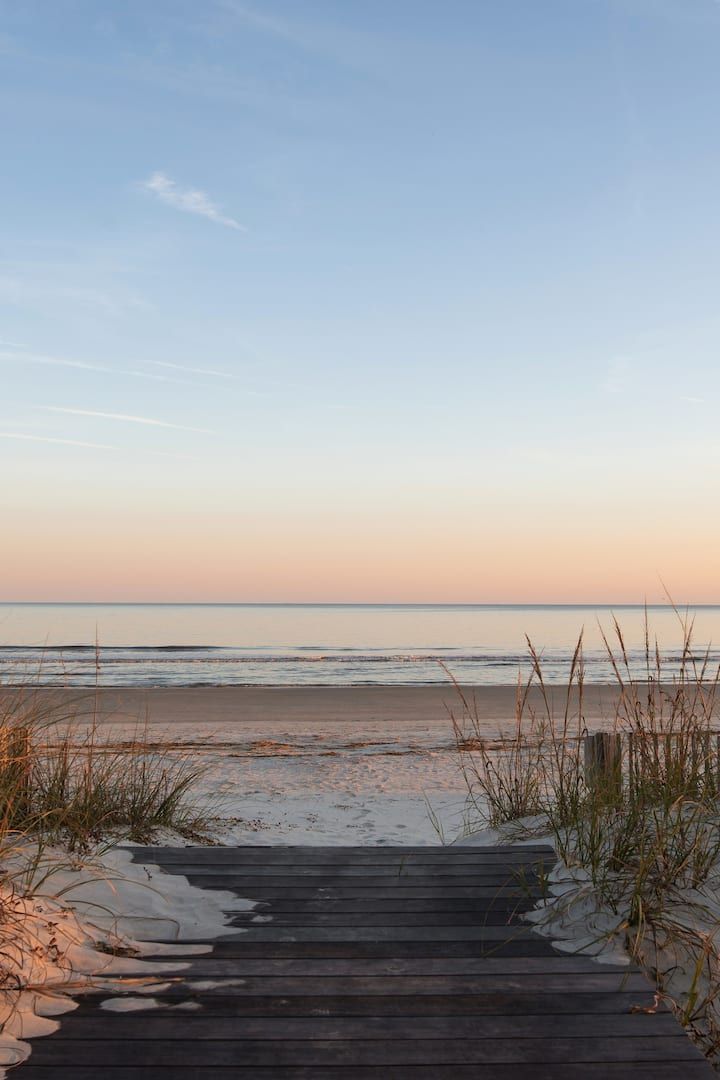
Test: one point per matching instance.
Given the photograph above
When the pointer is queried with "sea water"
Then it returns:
(324, 644)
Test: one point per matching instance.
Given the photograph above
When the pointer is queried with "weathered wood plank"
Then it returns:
(298, 855)
(451, 985)
(638, 1070)
(288, 888)
(467, 871)
(392, 883)
(412, 1004)
(493, 916)
(370, 875)
(310, 856)
(551, 963)
(532, 946)
(435, 905)
(232, 1052)
(222, 857)
(483, 917)
(274, 933)
(157, 1026)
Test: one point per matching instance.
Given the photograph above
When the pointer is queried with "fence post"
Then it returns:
(603, 764)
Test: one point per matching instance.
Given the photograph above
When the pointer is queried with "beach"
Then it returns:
(321, 723)
(315, 765)
(309, 705)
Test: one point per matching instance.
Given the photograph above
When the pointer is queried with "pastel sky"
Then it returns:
(380, 300)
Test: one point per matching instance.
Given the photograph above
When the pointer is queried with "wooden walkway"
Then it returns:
(382, 963)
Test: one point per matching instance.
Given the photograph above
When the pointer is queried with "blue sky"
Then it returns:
(367, 267)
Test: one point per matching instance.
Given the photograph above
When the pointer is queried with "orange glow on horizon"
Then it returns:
(185, 557)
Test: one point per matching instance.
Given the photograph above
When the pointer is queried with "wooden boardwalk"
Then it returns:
(383, 963)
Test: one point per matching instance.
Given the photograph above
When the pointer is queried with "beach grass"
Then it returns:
(61, 783)
(66, 797)
(638, 833)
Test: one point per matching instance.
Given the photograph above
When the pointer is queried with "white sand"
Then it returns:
(682, 952)
(59, 936)
(321, 784)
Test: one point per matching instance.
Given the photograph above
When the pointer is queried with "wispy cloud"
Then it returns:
(93, 445)
(123, 417)
(13, 345)
(692, 400)
(62, 442)
(335, 41)
(266, 24)
(85, 365)
(189, 200)
(59, 361)
(40, 290)
(194, 370)
(212, 372)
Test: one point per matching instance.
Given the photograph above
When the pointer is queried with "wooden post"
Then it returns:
(603, 764)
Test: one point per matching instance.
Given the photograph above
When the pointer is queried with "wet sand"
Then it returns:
(306, 705)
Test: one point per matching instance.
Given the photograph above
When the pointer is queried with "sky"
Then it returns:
(330, 301)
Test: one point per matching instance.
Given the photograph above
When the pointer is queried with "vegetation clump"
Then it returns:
(61, 782)
(637, 826)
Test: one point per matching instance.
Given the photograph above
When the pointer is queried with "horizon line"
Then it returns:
(363, 603)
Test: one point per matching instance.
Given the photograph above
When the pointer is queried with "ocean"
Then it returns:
(322, 644)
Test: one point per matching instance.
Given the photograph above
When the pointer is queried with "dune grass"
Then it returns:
(61, 783)
(643, 835)
(66, 796)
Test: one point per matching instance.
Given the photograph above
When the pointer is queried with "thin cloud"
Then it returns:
(123, 417)
(13, 345)
(335, 42)
(267, 24)
(189, 200)
(55, 361)
(83, 365)
(93, 445)
(61, 442)
(193, 370)
(42, 288)
(213, 372)
(692, 400)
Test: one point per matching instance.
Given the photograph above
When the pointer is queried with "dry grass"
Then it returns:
(538, 765)
(63, 787)
(645, 836)
(60, 783)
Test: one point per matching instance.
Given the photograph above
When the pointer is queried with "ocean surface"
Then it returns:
(322, 645)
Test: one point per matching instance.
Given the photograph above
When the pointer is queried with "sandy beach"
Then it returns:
(307, 705)
(360, 765)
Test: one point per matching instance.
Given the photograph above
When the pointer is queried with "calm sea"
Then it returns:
(317, 645)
